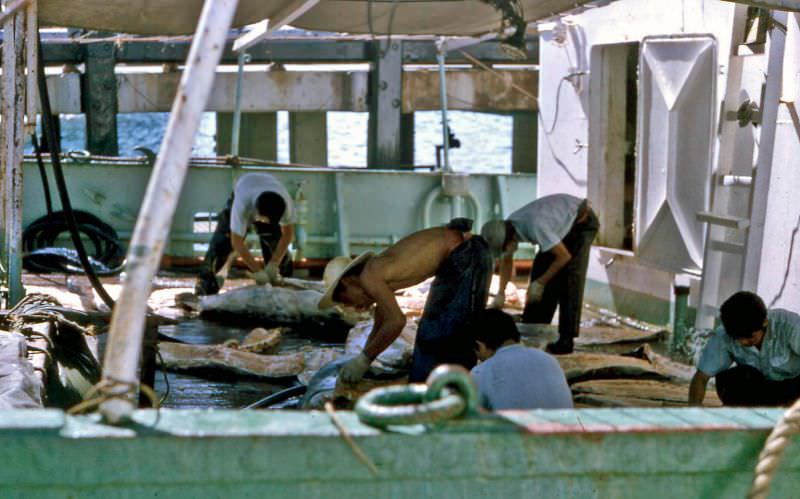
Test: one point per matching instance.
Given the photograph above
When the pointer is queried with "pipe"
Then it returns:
(443, 102)
(301, 220)
(158, 207)
(427, 206)
(236, 126)
(13, 111)
(341, 217)
(679, 317)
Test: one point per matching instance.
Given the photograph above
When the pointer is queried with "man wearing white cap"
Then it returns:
(563, 227)
(462, 266)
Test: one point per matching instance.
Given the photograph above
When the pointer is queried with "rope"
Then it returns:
(108, 389)
(358, 451)
(771, 454)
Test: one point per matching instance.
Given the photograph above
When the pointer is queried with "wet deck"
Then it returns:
(599, 376)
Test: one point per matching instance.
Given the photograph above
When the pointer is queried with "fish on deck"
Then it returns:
(270, 306)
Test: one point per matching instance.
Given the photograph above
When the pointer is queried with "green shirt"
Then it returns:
(777, 359)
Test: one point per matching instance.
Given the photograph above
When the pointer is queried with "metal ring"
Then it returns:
(80, 156)
(453, 376)
(449, 393)
(404, 405)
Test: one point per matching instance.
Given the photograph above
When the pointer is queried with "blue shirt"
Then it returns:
(518, 377)
(777, 359)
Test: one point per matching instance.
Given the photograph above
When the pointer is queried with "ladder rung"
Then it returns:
(735, 180)
(749, 49)
(728, 247)
(723, 220)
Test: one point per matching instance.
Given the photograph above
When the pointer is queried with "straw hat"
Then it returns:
(334, 271)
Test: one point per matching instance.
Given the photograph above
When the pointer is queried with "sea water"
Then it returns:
(485, 138)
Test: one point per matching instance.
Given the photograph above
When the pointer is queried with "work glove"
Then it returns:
(261, 277)
(535, 292)
(499, 300)
(354, 370)
(273, 272)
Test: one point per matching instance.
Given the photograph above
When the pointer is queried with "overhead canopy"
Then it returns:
(176, 17)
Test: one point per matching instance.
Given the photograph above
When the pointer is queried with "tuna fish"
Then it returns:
(268, 306)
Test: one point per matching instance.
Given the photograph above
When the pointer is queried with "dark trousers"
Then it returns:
(746, 386)
(219, 248)
(459, 289)
(565, 290)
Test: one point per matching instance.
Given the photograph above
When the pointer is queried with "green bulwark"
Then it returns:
(602, 453)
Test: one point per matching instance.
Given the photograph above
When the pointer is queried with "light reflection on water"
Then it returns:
(218, 389)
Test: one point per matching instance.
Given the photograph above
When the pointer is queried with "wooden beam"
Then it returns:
(385, 97)
(307, 91)
(788, 5)
(290, 12)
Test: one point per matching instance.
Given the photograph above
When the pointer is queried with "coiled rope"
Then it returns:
(770, 456)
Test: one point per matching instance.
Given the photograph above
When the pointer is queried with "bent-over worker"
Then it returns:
(461, 264)
(563, 227)
(764, 344)
(261, 202)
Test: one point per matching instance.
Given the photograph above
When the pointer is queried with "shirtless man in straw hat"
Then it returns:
(462, 265)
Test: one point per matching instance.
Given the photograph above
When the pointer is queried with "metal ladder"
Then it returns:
(735, 222)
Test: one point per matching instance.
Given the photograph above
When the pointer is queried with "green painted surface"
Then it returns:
(380, 206)
(628, 302)
(580, 453)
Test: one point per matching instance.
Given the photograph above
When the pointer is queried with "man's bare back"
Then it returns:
(416, 257)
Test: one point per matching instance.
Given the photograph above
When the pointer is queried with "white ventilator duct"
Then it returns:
(177, 17)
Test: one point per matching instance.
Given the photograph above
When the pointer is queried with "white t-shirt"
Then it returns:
(248, 188)
(545, 221)
(519, 377)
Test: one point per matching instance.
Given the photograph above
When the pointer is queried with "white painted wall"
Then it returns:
(564, 108)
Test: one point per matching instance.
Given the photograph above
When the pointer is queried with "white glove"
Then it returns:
(499, 301)
(354, 370)
(535, 292)
(261, 277)
(273, 272)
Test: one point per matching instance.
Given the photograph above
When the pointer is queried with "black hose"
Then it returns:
(43, 173)
(285, 394)
(48, 125)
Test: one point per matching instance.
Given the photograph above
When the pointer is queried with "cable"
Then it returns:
(52, 142)
(43, 173)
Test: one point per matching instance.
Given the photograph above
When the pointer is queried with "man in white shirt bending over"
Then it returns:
(510, 375)
(260, 201)
(563, 227)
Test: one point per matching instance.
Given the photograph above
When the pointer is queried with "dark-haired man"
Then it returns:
(260, 201)
(462, 267)
(510, 375)
(563, 227)
(764, 344)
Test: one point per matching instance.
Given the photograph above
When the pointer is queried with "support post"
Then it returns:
(766, 146)
(385, 98)
(100, 99)
(524, 143)
(161, 198)
(308, 138)
(11, 145)
(407, 140)
(258, 135)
